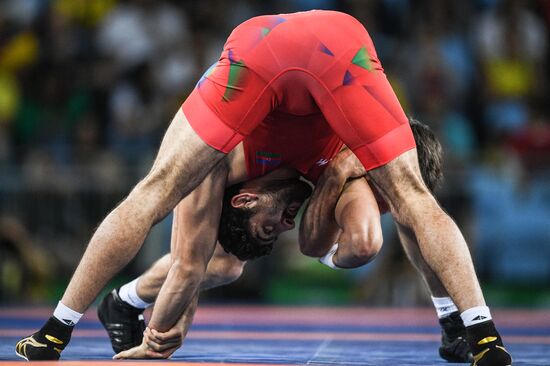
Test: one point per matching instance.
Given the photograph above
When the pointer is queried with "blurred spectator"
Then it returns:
(25, 268)
(441, 75)
(149, 43)
(532, 145)
(87, 13)
(99, 167)
(135, 115)
(136, 32)
(511, 210)
(512, 49)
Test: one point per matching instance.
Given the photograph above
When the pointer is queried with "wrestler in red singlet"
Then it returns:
(307, 145)
(285, 70)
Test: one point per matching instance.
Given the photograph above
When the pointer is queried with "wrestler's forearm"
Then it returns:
(166, 343)
(175, 295)
(318, 228)
(222, 269)
(188, 315)
(150, 282)
(194, 233)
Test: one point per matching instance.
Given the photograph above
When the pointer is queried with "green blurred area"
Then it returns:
(517, 295)
(338, 290)
(315, 284)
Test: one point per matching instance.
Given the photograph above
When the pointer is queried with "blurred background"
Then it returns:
(88, 87)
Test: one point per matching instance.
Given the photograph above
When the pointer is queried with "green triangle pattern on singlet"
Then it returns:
(362, 59)
(265, 31)
(236, 75)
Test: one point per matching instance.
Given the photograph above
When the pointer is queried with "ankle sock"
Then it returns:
(476, 315)
(128, 294)
(66, 315)
(444, 306)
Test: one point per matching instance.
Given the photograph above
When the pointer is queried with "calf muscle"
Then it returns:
(440, 241)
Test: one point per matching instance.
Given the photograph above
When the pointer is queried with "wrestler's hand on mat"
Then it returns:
(155, 345)
(138, 352)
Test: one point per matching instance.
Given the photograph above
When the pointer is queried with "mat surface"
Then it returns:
(294, 336)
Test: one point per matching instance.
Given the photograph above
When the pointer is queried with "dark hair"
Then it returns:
(232, 232)
(430, 154)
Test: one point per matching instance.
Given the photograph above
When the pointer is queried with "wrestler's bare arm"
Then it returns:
(182, 162)
(163, 344)
(194, 241)
(439, 240)
(318, 227)
(222, 269)
(358, 216)
(342, 212)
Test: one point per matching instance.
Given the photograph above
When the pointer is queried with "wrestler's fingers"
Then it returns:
(164, 354)
(171, 336)
(162, 347)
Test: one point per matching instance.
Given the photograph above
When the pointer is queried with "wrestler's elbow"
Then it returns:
(226, 269)
(364, 241)
(232, 271)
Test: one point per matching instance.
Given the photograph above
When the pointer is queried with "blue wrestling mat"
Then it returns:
(296, 336)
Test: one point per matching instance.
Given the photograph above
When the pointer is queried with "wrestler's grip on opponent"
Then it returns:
(223, 268)
(343, 210)
(162, 345)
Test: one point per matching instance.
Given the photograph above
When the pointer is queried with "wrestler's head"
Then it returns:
(253, 215)
(430, 159)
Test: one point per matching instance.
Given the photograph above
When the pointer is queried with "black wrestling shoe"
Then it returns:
(454, 346)
(47, 343)
(123, 322)
(486, 345)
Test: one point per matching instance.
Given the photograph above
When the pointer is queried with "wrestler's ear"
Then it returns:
(244, 200)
